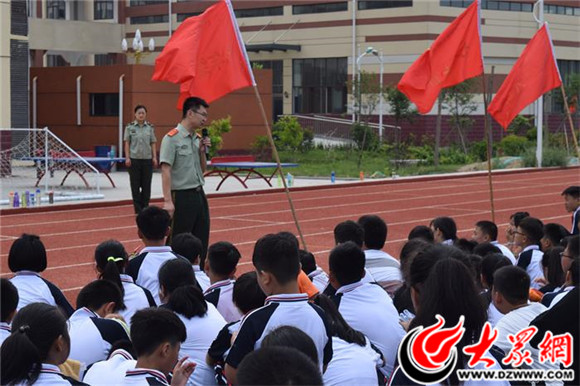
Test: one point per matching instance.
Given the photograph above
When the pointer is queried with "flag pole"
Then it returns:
(279, 166)
(488, 138)
(570, 120)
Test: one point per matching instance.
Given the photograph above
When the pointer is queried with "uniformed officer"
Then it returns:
(183, 162)
(141, 156)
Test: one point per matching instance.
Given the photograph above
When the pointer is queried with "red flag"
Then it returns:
(452, 58)
(534, 74)
(206, 55)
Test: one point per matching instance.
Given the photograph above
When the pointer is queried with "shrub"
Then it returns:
(423, 153)
(307, 140)
(513, 145)
(520, 125)
(261, 148)
(371, 140)
(288, 134)
(552, 156)
(216, 129)
(478, 150)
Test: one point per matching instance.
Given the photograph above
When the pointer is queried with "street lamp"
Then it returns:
(379, 55)
(138, 51)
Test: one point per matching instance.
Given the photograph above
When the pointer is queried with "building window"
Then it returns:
(319, 8)
(135, 3)
(376, 4)
(105, 59)
(56, 9)
(56, 61)
(104, 9)
(513, 6)
(277, 85)
(104, 105)
(567, 69)
(150, 19)
(319, 85)
(182, 16)
(257, 12)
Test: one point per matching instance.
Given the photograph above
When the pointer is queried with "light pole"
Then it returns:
(138, 51)
(379, 55)
(367, 51)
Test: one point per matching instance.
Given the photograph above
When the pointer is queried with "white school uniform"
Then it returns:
(384, 268)
(220, 294)
(201, 277)
(32, 288)
(51, 375)
(112, 371)
(530, 259)
(352, 364)
(319, 278)
(505, 251)
(136, 298)
(144, 377)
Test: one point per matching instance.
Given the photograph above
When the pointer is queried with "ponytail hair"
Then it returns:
(188, 301)
(34, 330)
(111, 258)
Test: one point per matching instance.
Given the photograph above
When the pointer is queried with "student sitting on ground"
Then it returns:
(572, 281)
(384, 268)
(489, 264)
(157, 335)
(202, 320)
(486, 232)
(27, 259)
(91, 334)
(288, 336)
(221, 263)
(247, 296)
(153, 227)
(354, 360)
(38, 344)
(444, 230)
(421, 232)
(112, 371)
(8, 305)
(572, 204)
(365, 306)
(510, 296)
(552, 266)
(402, 297)
(111, 259)
(277, 265)
(554, 236)
(316, 274)
(190, 247)
(278, 366)
(510, 231)
(527, 237)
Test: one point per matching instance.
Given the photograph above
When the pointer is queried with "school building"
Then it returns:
(311, 47)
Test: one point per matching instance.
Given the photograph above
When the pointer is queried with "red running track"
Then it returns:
(71, 233)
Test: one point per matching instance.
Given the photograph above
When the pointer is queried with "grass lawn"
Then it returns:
(320, 163)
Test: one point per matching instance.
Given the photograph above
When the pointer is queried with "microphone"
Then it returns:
(205, 134)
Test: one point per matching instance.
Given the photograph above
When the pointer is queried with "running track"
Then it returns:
(71, 233)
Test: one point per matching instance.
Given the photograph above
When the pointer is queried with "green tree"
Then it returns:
(288, 134)
(458, 101)
(402, 111)
(216, 129)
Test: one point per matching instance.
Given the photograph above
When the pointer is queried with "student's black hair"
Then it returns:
(111, 258)
(151, 327)
(533, 229)
(552, 261)
(188, 246)
(123, 344)
(307, 261)
(408, 252)
(484, 249)
(447, 226)
(291, 237)
(489, 228)
(99, 292)
(338, 325)
(247, 294)
(449, 291)
(465, 245)
(513, 283)
(193, 103)
(277, 254)
(278, 366)
(375, 231)
(34, 330)
(491, 263)
(556, 233)
(573, 191)
(27, 253)
(347, 263)
(518, 217)
(575, 272)
(175, 273)
(573, 245)
(476, 261)
(421, 232)
(139, 107)
(153, 222)
(9, 301)
(223, 258)
(290, 336)
(349, 231)
(188, 301)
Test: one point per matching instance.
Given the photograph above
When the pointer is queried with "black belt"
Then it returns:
(197, 189)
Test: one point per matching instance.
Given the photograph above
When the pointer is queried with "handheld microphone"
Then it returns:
(205, 134)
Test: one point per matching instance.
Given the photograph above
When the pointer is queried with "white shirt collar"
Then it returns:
(163, 248)
(349, 287)
(286, 298)
(530, 248)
